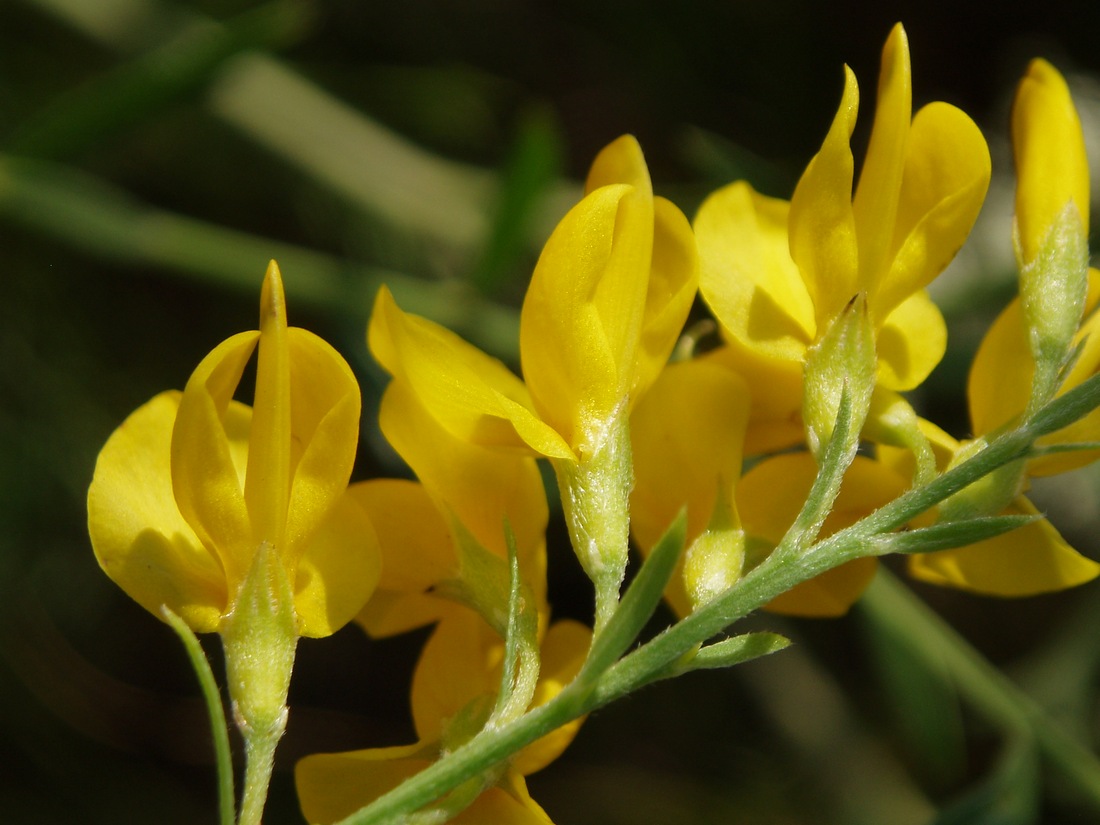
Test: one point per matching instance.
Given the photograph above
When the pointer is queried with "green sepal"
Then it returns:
(946, 535)
(1052, 292)
(520, 668)
(639, 602)
(260, 636)
(843, 360)
(734, 651)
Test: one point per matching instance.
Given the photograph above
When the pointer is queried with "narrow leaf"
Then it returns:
(736, 650)
(950, 534)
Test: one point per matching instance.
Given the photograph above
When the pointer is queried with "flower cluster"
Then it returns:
(788, 430)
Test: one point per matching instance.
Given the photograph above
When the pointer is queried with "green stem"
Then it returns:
(777, 574)
(893, 606)
(259, 750)
(219, 728)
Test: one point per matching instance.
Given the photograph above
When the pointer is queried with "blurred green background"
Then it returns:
(154, 156)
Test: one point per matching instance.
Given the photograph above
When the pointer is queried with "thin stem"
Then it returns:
(259, 760)
(778, 573)
(219, 728)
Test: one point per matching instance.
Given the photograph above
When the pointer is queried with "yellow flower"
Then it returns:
(777, 274)
(1051, 164)
(1051, 209)
(453, 693)
(193, 484)
(1052, 176)
(605, 305)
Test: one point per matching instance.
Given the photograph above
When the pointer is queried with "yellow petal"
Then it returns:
(1051, 164)
(769, 498)
(775, 417)
(417, 553)
(483, 488)
(673, 280)
(324, 429)
(338, 571)
(875, 205)
(997, 394)
(333, 785)
(140, 539)
(267, 481)
(472, 395)
(621, 161)
(460, 662)
(208, 486)
(564, 651)
(822, 225)
(910, 342)
(687, 435)
(946, 176)
(1033, 559)
(747, 276)
(582, 315)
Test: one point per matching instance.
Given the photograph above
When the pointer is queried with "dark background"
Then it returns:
(152, 160)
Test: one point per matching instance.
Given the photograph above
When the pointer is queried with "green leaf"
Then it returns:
(219, 728)
(142, 87)
(735, 650)
(1010, 795)
(949, 534)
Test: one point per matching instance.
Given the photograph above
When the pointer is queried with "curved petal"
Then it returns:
(747, 276)
(332, 786)
(673, 280)
(140, 539)
(460, 663)
(338, 570)
(997, 395)
(775, 414)
(207, 485)
(875, 205)
(687, 435)
(822, 224)
(417, 552)
(621, 161)
(946, 176)
(564, 651)
(482, 487)
(1051, 162)
(769, 498)
(1033, 559)
(582, 314)
(910, 342)
(324, 428)
(474, 396)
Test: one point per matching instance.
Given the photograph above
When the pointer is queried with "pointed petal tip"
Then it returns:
(272, 296)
